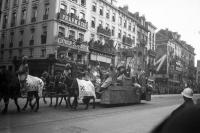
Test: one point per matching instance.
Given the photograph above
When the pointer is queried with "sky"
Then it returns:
(182, 16)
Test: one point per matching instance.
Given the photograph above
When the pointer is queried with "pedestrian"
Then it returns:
(187, 94)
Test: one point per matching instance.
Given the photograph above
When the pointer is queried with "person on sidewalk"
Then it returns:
(187, 94)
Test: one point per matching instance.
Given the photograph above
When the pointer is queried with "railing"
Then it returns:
(45, 17)
(2, 46)
(4, 26)
(127, 40)
(31, 42)
(11, 45)
(106, 48)
(72, 19)
(12, 24)
(33, 19)
(20, 43)
(103, 31)
(22, 21)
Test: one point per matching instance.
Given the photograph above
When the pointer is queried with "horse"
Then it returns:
(31, 87)
(73, 91)
(10, 89)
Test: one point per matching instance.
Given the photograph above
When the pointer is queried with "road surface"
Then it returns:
(138, 118)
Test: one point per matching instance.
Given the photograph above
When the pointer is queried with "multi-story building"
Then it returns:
(42, 29)
(54, 32)
(198, 75)
(175, 61)
(111, 27)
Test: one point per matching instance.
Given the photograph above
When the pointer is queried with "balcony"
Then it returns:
(4, 26)
(2, 46)
(31, 42)
(71, 42)
(33, 19)
(106, 31)
(22, 21)
(127, 40)
(12, 24)
(11, 45)
(45, 17)
(20, 43)
(73, 20)
(107, 48)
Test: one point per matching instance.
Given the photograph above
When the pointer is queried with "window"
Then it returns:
(63, 8)
(44, 35)
(133, 28)
(43, 52)
(61, 32)
(120, 21)
(2, 54)
(93, 22)
(113, 17)
(107, 26)
(5, 20)
(15, 3)
(100, 23)
(72, 34)
(73, 11)
(124, 34)
(108, 14)
(120, 34)
(113, 31)
(82, 15)
(81, 36)
(6, 4)
(11, 39)
(20, 52)
(23, 16)
(83, 3)
(32, 36)
(133, 40)
(125, 23)
(34, 14)
(129, 26)
(94, 7)
(13, 20)
(46, 13)
(10, 54)
(31, 52)
(101, 11)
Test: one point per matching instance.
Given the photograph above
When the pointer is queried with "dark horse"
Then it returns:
(73, 91)
(10, 89)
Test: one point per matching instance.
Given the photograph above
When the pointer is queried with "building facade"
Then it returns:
(55, 32)
(42, 30)
(174, 63)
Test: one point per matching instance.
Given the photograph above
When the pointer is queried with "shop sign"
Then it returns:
(70, 44)
(100, 58)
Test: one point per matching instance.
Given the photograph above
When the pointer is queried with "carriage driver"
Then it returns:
(23, 70)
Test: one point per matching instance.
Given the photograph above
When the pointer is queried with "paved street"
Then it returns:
(139, 118)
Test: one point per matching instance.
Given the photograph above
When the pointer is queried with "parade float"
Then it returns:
(134, 86)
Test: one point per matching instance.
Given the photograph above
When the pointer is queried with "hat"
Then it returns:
(187, 92)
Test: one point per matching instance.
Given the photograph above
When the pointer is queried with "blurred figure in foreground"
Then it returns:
(187, 94)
